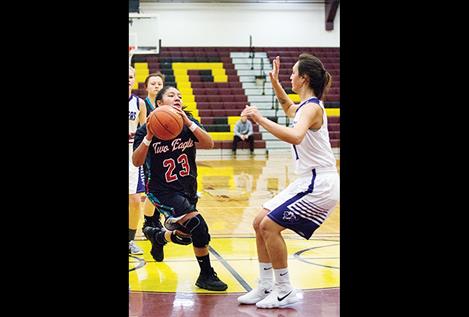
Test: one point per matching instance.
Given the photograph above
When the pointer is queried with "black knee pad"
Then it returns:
(198, 228)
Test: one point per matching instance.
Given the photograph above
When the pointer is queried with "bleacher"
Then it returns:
(217, 82)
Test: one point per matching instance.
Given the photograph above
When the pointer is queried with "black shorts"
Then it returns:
(173, 204)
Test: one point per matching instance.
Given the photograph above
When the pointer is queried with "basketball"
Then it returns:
(165, 123)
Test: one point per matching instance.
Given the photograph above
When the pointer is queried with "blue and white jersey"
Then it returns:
(315, 150)
(134, 111)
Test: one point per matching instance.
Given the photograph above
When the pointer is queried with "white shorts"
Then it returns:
(306, 203)
(136, 176)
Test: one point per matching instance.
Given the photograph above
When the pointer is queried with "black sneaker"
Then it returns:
(210, 281)
(152, 222)
(156, 245)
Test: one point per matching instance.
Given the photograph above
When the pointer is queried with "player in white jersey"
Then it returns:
(306, 203)
(137, 115)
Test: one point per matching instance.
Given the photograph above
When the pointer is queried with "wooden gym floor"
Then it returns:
(232, 191)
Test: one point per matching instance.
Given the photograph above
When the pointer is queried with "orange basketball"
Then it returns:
(165, 123)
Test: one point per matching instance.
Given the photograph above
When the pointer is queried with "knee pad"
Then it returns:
(180, 238)
(197, 227)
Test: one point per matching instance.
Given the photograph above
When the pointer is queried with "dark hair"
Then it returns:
(159, 96)
(319, 79)
(157, 74)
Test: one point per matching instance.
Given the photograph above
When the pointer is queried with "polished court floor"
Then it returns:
(232, 191)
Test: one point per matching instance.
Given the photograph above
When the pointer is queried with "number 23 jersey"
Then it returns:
(172, 162)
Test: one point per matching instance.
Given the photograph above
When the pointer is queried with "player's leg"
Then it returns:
(135, 188)
(195, 225)
(283, 293)
(134, 216)
(151, 215)
(265, 282)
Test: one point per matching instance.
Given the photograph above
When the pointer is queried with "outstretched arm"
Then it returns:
(309, 117)
(287, 104)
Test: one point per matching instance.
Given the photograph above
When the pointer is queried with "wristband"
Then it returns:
(193, 126)
(146, 141)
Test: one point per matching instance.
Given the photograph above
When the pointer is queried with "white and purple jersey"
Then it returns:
(136, 177)
(306, 203)
(315, 150)
(134, 111)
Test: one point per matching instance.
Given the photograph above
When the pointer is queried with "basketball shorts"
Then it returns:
(306, 203)
(136, 176)
(173, 204)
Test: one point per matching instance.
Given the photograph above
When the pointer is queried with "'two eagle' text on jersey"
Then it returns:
(176, 144)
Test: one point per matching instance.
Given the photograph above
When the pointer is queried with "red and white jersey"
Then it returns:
(315, 150)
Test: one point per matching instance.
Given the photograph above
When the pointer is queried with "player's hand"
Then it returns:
(183, 115)
(252, 113)
(131, 135)
(275, 69)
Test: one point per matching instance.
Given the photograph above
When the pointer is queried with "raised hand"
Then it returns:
(252, 113)
(275, 70)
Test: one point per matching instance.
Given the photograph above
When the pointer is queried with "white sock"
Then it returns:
(265, 274)
(282, 277)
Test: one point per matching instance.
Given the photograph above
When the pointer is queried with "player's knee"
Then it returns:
(180, 238)
(198, 228)
(264, 228)
(257, 222)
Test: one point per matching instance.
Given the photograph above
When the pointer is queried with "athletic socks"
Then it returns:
(265, 273)
(204, 263)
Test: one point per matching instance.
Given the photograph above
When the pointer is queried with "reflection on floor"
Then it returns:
(232, 192)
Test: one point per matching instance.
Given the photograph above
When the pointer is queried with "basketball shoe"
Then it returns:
(156, 251)
(281, 296)
(257, 294)
(154, 222)
(134, 249)
(210, 281)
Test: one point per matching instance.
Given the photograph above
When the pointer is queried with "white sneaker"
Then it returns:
(279, 297)
(256, 294)
(134, 249)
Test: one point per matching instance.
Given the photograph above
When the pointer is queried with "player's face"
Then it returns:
(155, 84)
(131, 78)
(172, 97)
(296, 80)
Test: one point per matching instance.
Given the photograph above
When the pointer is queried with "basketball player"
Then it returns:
(153, 84)
(137, 115)
(306, 203)
(172, 187)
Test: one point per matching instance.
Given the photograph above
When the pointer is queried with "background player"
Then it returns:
(137, 115)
